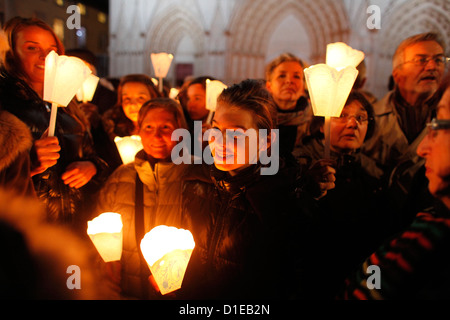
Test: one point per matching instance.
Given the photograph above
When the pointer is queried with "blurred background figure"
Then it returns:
(105, 97)
(133, 91)
(36, 256)
(285, 81)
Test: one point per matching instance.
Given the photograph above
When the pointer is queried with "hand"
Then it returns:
(47, 150)
(324, 175)
(79, 173)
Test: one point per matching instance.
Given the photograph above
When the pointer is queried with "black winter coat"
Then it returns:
(62, 201)
(246, 230)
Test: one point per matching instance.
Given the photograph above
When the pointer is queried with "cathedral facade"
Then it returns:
(232, 40)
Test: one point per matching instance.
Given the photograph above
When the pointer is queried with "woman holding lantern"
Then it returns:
(357, 208)
(156, 181)
(246, 225)
(63, 164)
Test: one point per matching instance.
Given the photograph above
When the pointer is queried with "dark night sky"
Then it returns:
(98, 4)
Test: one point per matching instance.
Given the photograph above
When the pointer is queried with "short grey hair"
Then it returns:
(399, 57)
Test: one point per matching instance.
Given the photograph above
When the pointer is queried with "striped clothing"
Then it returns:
(413, 265)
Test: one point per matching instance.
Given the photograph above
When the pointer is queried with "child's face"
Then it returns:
(134, 95)
(230, 155)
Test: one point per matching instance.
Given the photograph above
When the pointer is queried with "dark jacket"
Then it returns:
(412, 265)
(351, 221)
(244, 228)
(62, 201)
(16, 142)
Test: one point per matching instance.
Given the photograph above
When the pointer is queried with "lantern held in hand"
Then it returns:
(106, 233)
(63, 77)
(161, 64)
(128, 147)
(329, 90)
(167, 251)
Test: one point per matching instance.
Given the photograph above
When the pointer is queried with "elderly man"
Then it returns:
(418, 67)
(401, 117)
(415, 264)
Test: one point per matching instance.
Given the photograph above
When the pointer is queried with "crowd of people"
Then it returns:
(310, 230)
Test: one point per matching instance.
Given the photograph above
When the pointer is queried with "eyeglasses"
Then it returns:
(436, 125)
(423, 61)
(344, 118)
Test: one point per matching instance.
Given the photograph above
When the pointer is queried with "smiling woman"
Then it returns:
(62, 166)
(158, 180)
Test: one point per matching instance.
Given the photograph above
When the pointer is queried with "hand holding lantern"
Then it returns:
(62, 79)
(330, 85)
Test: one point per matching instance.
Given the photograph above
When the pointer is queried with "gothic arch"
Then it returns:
(253, 20)
(169, 29)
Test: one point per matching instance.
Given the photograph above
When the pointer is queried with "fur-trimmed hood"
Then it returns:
(15, 138)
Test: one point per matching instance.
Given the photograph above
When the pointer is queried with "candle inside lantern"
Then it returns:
(128, 147)
(167, 251)
(105, 231)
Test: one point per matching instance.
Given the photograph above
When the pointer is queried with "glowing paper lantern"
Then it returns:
(213, 89)
(340, 55)
(174, 93)
(63, 77)
(167, 251)
(128, 147)
(106, 233)
(329, 90)
(161, 64)
(87, 90)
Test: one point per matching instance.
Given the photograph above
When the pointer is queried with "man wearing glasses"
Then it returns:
(418, 68)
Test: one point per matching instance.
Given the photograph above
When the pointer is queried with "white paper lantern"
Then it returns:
(105, 231)
(167, 251)
(128, 147)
